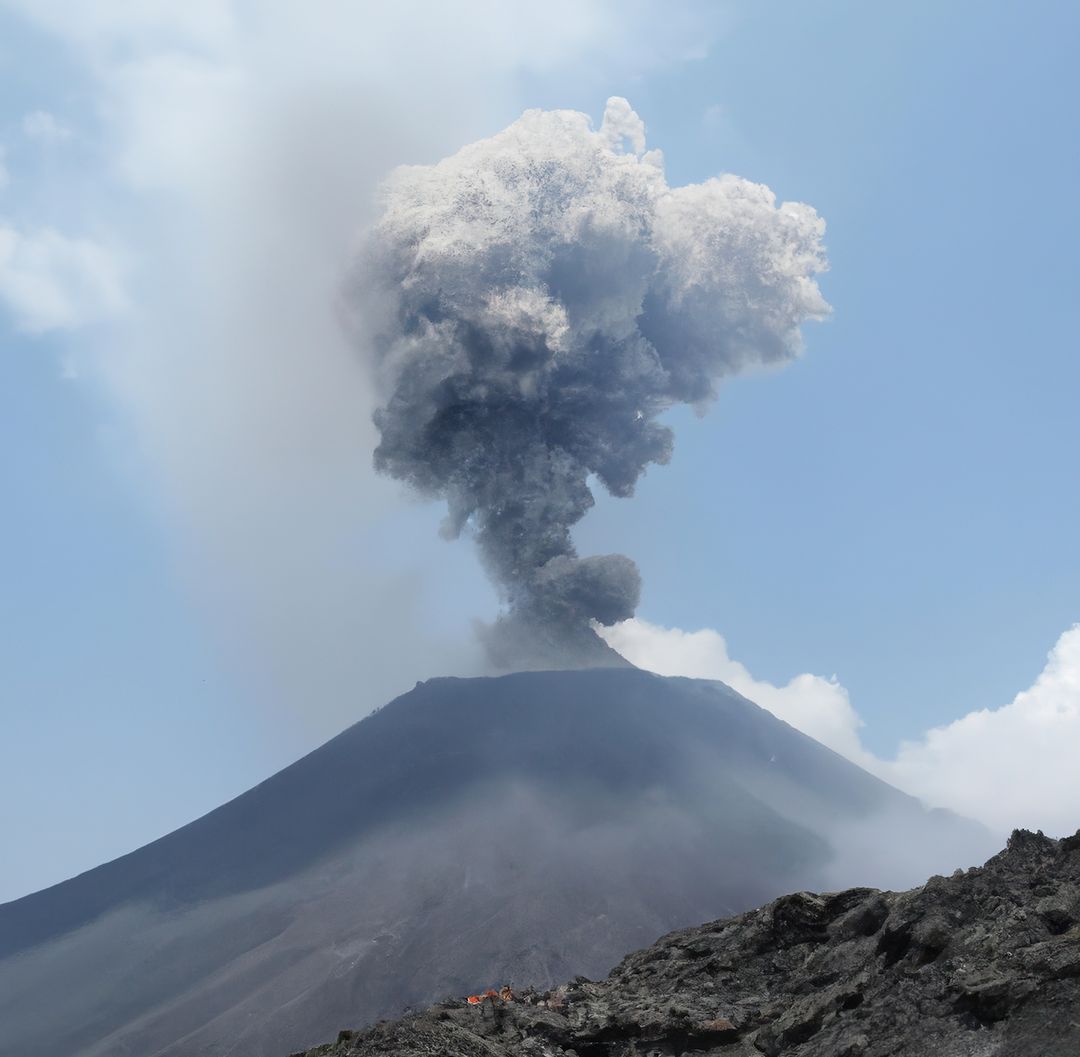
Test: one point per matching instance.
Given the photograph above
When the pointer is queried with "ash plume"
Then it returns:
(533, 304)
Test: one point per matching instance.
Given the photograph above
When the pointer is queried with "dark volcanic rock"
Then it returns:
(985, 963)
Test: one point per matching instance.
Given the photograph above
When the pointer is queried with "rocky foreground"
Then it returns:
(985, 963)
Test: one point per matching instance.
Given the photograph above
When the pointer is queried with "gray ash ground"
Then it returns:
(985, 963)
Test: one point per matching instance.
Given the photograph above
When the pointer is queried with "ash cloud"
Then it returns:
(533, 304)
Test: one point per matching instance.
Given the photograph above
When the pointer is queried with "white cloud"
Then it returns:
(42, 126)
(815, 705)
(1013, 766)
(1018, 765)
(49, 281)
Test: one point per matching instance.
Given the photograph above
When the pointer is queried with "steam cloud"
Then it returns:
(535, 302)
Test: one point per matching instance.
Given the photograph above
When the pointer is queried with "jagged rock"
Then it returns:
(985, 963)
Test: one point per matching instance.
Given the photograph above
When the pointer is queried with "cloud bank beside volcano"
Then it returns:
(1028, 746)
(533, 304)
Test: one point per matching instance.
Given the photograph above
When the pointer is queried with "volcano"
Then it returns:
(518, 829)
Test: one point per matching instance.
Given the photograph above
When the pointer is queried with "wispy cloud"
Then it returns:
(49, 281)
(44, 127)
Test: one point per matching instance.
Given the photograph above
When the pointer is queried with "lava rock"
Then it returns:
(985, 963)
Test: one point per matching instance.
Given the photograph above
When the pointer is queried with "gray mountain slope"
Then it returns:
(517, 828)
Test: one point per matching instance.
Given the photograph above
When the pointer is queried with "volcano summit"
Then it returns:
(521, 828)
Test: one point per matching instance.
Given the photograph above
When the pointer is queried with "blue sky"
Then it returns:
(201, 578)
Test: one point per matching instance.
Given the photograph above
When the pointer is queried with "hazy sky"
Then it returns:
(200, 577)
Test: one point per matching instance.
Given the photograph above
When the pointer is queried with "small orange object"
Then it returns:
(489, 993)
(474, 1000)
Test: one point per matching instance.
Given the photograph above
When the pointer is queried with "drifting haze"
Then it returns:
(535, 302)
(228, 173)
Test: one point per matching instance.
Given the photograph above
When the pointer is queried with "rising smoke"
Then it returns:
(534, 303)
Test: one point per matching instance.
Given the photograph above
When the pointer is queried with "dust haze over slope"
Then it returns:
(526, 828)
(533, 304)
(985, 963)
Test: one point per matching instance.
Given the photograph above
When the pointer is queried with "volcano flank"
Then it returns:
(523, 828)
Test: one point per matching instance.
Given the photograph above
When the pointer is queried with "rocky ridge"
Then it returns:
(985, 963)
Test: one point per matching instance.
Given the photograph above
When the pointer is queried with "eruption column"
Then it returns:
(532, 304)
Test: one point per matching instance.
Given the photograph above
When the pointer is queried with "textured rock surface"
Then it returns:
(985, 963)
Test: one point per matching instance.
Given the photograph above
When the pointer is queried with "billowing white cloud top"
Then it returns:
(1008, 767)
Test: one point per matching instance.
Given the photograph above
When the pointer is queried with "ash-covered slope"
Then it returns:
(522, 828)
(985, 963)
